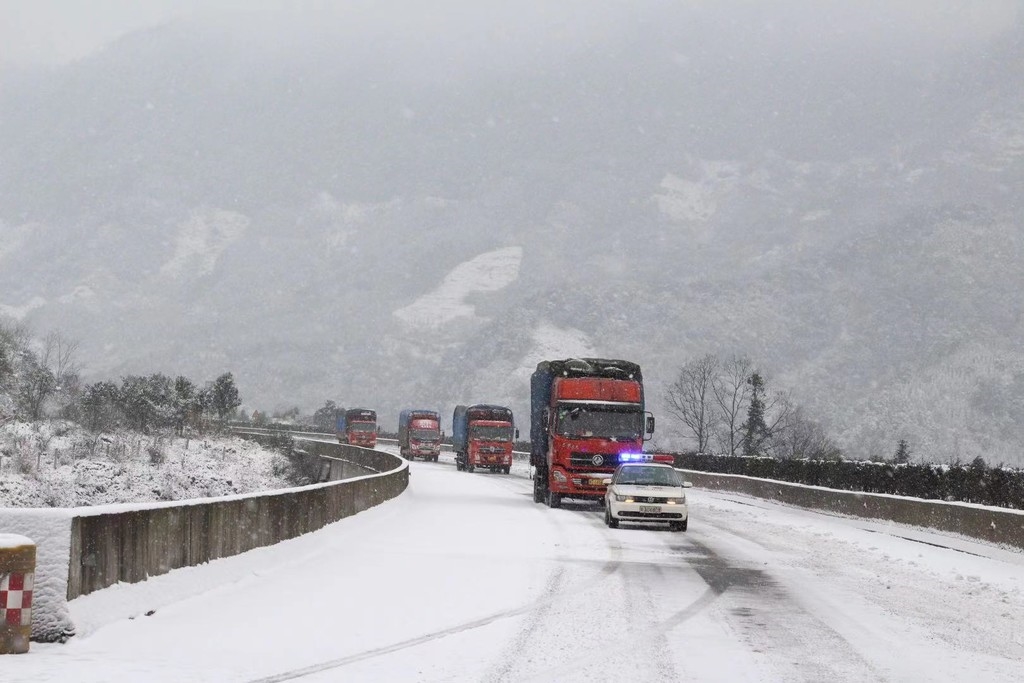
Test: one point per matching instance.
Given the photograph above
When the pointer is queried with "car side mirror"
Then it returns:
(606, 482)
(687, 484)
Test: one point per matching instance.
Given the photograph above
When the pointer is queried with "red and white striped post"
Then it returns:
(17, 574)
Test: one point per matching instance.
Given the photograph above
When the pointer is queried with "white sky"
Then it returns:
(58, 31)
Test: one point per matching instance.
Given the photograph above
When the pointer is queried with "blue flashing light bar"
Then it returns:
(635, 457)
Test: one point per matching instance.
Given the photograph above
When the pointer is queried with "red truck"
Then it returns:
(419, 434)
(482, 437)
(358, 427)
(587, 416)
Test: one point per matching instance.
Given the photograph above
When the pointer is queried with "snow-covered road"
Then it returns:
(465, 578)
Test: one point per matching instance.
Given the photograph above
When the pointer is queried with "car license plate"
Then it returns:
(650, 508)
(597, 482)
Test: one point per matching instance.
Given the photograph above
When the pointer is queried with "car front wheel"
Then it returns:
(609, 520)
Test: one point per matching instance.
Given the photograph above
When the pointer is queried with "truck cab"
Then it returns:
(482, 436)
(357, 427)
(419, 434)
(588, 417)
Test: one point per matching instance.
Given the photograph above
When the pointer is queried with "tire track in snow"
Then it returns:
(505, 668)
(553, 591)
(636, 578)
(772, 622)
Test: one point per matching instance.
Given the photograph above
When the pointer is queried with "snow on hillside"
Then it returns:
(488, 272)
(202, 239)
(685, 200)
(58, 465)
(13, 237)
(19, 312)
(551, 341)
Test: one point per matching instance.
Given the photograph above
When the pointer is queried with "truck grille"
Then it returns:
(579, 459)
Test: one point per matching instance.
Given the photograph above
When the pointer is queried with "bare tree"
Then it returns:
(59, 356)
(14, 340)
(51, 374)
(732, 394)
(36, 384)
(800, 437)
(691, 400)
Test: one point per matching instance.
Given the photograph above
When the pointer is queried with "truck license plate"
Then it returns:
(650, 508)
(597, 482)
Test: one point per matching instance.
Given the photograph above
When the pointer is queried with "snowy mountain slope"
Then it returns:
(489, 272)
(674, 185)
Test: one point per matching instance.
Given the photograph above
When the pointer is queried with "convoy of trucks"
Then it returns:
(482, 436)
(419, 434)
(586, 417)
(357, 426)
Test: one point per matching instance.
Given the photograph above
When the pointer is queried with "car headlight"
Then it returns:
(623, 499)
(676, 501)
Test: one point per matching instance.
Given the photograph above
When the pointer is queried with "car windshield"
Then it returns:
(489, 433)
(585, 420)
(648, 476)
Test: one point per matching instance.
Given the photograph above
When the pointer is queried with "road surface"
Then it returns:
(464, 578)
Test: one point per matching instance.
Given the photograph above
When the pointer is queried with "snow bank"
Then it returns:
(52, 472)
(51, 465)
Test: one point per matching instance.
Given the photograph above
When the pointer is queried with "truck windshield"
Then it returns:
(488, 433)
(424, 434)
(362, 427)
(583, 420)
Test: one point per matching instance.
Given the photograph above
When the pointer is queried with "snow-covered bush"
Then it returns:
(60, 465)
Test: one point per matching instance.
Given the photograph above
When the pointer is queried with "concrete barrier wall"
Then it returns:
(994, 525)
(131, 546)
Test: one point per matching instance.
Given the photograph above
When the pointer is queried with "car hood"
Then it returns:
(653, 491)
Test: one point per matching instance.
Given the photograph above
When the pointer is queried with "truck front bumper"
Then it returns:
(486, 459)
(588, 485)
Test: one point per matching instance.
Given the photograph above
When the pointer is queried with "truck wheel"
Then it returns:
(470, 467)
(508, 469)
(554, 500)
(539, 489)
(609, 520)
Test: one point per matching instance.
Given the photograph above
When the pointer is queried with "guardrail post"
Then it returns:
(17, 573)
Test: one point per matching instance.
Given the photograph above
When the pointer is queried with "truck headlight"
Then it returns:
(559, 477)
